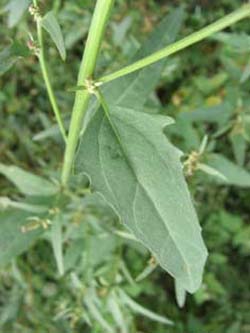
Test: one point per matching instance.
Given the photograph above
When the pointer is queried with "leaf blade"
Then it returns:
(50, 24)
(28, 183)
(234, 174)
(57, 243)
(12, 240)
(130, 168)
(143, 311)
(10, 55)
(16, 9)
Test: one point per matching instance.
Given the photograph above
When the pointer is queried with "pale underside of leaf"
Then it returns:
(139, 173)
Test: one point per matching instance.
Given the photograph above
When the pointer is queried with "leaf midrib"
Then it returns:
(116, 132)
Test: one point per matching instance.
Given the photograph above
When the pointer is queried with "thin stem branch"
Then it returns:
(196, 37)
(45, 73)
(87, 67)
(49, 88)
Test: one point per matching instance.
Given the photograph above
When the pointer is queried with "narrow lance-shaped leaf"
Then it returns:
(28, 183)
(10, 55)
(239, 145)
(5, 203)
(141, 310)
(89, 300)
(12, 240)
(51, 25)
(117, 314)
(16, 9)
(57, 243)
(238, 43)
(146, 272)
(211, 171)
(132, 164)
(233, 173)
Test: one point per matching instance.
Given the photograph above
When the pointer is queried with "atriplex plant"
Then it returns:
(124, 153)
(87, 67)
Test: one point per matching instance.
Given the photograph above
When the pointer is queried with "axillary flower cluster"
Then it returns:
(191, 163)
(35, 12)
(32, 45)
(91, 86)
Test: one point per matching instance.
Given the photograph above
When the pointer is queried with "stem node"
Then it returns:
(86, 72)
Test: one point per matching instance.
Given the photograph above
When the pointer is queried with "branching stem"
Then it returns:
(196, 37)
(88, 64)
(86, 72)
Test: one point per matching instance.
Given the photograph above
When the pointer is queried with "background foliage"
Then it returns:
(206, 90)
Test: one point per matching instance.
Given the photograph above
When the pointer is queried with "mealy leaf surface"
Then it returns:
(138, 171)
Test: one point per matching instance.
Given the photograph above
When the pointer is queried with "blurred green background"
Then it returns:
(206, 89)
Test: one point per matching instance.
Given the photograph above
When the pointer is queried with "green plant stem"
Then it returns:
(87, 67)
(196, 37)
(44, 69)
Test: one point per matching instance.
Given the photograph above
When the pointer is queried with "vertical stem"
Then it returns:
(87, 67)
(46, 78)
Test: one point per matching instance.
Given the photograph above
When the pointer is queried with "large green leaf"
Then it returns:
(234, 174)
(28, 183)
(50, 24)
(132, 164)
(12, 240)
